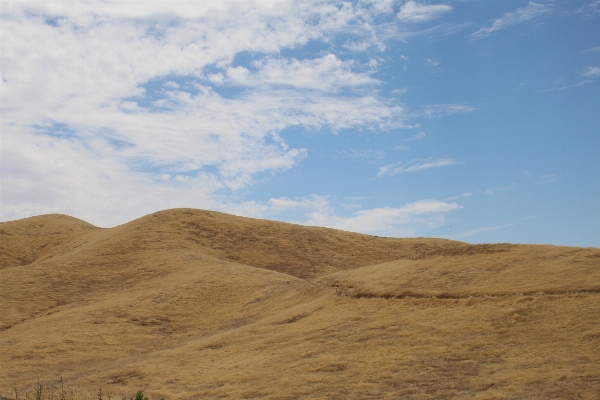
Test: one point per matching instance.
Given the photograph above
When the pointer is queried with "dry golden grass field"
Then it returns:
(191, 304)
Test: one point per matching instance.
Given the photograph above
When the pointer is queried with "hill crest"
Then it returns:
(301, 251)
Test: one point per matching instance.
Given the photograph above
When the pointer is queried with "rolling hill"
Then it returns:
(189, 303)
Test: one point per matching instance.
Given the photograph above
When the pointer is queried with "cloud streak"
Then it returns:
(526, 13)
(366, 154)
(443, 110)
(418, 136)
(474, 232)
(412, 11)
(592, 50)
(592, 71)
(415, 166)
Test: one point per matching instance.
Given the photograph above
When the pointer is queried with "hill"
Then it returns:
(25, 241)
(193, 304)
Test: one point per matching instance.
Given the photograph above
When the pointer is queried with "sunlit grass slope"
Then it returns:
(301, 251)
(25, 241)
(477, 270)
(195, 304)
(89, 263)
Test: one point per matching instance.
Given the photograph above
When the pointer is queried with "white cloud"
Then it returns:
(360, 154)
(216, 78)
(546, 179)
(412, 11)
(592, 71)
(474, 232)
(590, 10)
(405, 220)
(131, 85)
(432, 63)
(417, 165)
(526, 13)
(443, 110)
(318, 204)
(582, 83)
(497, 189)
(171, 85)
(592, 50)
(327, 73)
(381, 6)
(390, 221)
(418, 136)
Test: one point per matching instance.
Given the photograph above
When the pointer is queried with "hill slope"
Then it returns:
(194, 304)
(477, 271)
(25, 241)
(300, 251)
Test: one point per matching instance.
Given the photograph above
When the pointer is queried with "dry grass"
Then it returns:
(475, 271)
(173, 303)
(27, 240)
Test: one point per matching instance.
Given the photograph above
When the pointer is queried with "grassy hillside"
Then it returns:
(25, 241)
(477, 271)
(194, 304)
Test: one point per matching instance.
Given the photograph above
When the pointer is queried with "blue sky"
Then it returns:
(471, 120)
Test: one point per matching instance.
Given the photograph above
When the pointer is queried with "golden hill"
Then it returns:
(194, 304)
(25, 241)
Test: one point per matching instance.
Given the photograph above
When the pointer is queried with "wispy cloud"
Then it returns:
(412, 11)
(592, 50)
(366, 154)
(582, 83)
(416, 165)
(443, 110)
(590, 10)
(474, 232)
(546, 179)
(498, 189)
(466, 194)
(418, 136)
(592, 71)
(575, 85)
(526, 13)
(445, 29)
(394, 221)
(314, 203)
(327, 74)
(406, 220)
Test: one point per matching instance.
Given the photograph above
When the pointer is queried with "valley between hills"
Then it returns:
(193, 304)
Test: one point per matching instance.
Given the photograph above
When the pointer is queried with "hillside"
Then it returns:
(193, 304)
(25, 241)
(498, 270)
